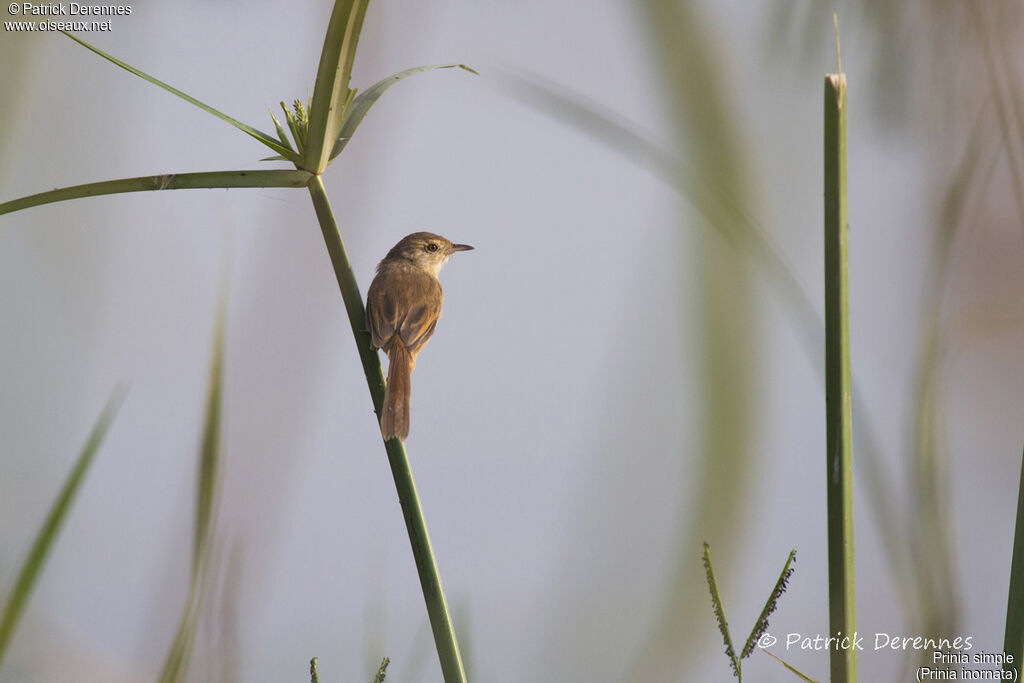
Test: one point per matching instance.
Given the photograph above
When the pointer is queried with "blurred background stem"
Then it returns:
(698, 99)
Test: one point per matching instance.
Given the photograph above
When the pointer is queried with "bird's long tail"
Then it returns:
(394, 417)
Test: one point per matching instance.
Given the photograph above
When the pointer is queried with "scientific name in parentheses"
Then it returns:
(74, 9)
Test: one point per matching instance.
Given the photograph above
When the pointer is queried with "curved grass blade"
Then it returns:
(356, 111)
(168, 181)
(178, 658)
(931, 531)
(699, 100)
(331, 94)
(34, 563)
(267, 140)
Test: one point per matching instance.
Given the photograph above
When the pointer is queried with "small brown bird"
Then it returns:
(402, 308)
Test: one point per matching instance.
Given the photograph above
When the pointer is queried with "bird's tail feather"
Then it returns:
(394, 417)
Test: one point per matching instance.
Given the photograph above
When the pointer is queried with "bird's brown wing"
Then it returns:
(419, 322)
(382, 315)
(403, 306)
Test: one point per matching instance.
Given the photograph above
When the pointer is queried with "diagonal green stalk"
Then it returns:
(167, 181)
(839, 456)
(43, 543)
(426, 566)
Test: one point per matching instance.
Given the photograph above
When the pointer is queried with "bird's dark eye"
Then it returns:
(432, 246)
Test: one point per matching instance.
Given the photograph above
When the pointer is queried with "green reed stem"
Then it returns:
(426, 565)
(166, 181)
(839, 456)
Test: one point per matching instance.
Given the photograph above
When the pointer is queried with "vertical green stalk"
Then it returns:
(839, 457)
(426, 566)
(1013, 640)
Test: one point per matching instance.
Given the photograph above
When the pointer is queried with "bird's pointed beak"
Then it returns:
(461, 247)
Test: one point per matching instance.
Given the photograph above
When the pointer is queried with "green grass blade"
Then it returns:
(267, 140)
(43, 543)
(761, 625)
(331, 92)
(719, 609)
(792, 668)
(210, 450)
(179, 657)
(280, 133)
(176, 664)
(1013, 641)
(355, 113)
(839, 456)
(168, 181)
